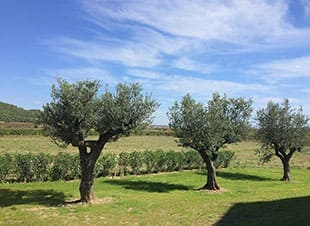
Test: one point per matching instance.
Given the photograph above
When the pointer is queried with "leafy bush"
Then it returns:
(135, 162)
(105, 165)
(24, 167)
(6, 163)
(41, 166)
(65, 167)
(123, 163)
(174, 161)
(224, 159)
(149, 160)
(160, 161)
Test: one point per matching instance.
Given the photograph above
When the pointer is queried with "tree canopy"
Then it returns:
(223, 121)
(282, 131)
(208, 128)
(76, 109)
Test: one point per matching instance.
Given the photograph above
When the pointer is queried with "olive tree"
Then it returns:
(208, 128)
(77, 108)
(282, 131)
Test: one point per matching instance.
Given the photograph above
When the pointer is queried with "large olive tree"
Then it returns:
(208, 128)
(76, 109)
(282, 131)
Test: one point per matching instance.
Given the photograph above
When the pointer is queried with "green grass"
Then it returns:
(249, 197)
(37, 144)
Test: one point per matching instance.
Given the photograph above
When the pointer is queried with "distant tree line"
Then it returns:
(12, 113)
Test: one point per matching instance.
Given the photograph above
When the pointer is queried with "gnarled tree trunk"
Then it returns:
(286, 169)
(211, 172)
(88, 161)
(285, 159)
(87, 164)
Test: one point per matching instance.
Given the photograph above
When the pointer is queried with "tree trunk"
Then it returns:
(211, 173)
(87, 163)
(286, 169)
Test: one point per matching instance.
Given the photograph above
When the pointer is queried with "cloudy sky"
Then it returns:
(254, 49)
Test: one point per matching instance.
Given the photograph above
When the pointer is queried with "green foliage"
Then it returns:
(124, 111)
(65, 167)
(44, 167)
(123, 163)
(160, 161)
(224, 159)
(281, 128)
(207, 128)
(12, 113)
(149, 160)
(24, 167)
(72, 112)
(6, 163)
(135, 162)
(77, 110)
(41, 166)
(105, 165)
(20, 132)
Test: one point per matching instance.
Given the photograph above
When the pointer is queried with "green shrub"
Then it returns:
(224, 159)
(173, 161)
(123, 163)
(105, 165)
(192, 160)
(135, 162)
(160, 161)
(149, 160)
(24, 167)
(65, 167)
(6, 163)
(42, 166)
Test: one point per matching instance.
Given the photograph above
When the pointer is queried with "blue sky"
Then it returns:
(254, 49)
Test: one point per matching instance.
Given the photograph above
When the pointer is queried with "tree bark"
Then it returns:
(285, 159)
(211, 183)
(87, 163)
(286, 170)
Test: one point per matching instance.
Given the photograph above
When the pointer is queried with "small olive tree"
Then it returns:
(76, 109)
(208, 128)
(282, 131)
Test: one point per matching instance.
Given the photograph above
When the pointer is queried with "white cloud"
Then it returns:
(144, 74)
(285, 69)
(190, 65)
(127, 53)
(243, 22)
(179, 84)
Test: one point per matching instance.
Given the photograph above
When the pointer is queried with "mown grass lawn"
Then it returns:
(250, 196)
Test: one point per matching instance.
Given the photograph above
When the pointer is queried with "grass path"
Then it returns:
(251, 196)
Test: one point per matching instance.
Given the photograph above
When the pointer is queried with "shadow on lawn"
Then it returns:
(292, 211)
(241, 176)
(10, 197)
(147, 185)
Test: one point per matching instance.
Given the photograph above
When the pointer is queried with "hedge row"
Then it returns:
(44, 167)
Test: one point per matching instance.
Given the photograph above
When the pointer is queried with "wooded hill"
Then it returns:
(12, 113)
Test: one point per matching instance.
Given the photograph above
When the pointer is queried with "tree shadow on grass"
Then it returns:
(242, 176)
(292, 211)
(148, 186)
(9, 197)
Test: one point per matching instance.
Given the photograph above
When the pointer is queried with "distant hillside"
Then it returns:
(12, 113)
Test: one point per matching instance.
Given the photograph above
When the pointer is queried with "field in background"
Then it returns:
(245, 151)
